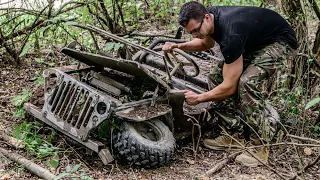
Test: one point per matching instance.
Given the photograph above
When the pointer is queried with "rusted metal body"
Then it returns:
(79, 100)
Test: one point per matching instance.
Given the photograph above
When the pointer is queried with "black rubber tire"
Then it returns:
(134, 148)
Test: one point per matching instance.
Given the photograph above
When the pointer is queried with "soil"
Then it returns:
(144, 113)
(184, 165)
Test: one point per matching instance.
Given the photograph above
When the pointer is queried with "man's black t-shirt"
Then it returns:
(242, 30)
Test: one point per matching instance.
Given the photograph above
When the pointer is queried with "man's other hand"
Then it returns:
(191, 97)
(168, 46)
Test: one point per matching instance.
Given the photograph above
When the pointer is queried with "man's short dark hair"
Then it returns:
(191, 10)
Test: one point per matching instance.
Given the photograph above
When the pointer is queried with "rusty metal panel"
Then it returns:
(74, 106)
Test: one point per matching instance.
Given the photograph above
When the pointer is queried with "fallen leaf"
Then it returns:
(190, 161)
(5, 177)
(307, 151)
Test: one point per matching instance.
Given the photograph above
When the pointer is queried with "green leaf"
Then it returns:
(17, 134)
(39, 60)
(51, 64)
(68, 169)
(117, 46)
(75, 168)
(109, 46)
(16, 127)
(85, 13)
(19, 113)
(312, 103)
(39, 81)
(34, 142)
(54, 162)
(25, 49)
(62, 175)
(70, 23)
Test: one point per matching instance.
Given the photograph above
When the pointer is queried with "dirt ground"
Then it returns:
(183, 166)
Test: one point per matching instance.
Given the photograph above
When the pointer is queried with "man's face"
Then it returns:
(198, 29)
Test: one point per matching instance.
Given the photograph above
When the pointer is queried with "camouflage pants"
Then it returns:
(244, 112)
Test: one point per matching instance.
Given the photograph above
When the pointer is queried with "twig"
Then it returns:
(303, 138)
(294, 146)
(6, 2)
(309, 165)
(59, 11)
(254, 155)
(220, 164)
(95, 41)
(312, 163)
(269, 145)
(151, 35)
(32, 167)
(315, 8)
(195, 145)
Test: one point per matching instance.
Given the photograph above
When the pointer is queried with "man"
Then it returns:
(254, 42)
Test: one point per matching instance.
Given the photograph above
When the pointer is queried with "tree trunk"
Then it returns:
(316, 45)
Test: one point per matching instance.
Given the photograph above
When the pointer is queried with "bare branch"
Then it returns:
(95, 41)
(220, 164)
(15, 17)
(32, 167)
(6, 2)
(315, 8)
(78, 4)
(150, 35)
(303, 138)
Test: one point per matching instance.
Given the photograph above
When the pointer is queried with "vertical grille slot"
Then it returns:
(66, 100)
(78, 107)
(74, 101)
(88, 114)
(69, 102)
(53, 95)
(55, 101)
(83, 110)
(62, 97)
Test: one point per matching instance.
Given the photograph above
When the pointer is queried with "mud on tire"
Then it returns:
(147, 144)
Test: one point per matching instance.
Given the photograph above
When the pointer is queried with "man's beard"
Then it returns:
(203, 36)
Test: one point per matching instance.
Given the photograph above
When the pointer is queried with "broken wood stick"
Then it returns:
(16, 143)
(221, 164)
(32, 167)
(303, 138)
(309, 165)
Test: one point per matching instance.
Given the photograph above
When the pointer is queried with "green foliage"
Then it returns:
(62, 28)
(104, 129)
(42, 61)
(69, 171)
(39, 81)
(28, 132)
(316, 131)
(312, 103)
(25, 49)
(18, 101)
(113, 46)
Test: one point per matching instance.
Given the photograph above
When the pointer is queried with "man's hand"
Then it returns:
(191, 98)
(168, 46)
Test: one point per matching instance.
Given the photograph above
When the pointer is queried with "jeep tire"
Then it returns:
(147, 144)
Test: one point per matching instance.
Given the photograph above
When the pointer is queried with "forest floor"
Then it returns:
(284, 159)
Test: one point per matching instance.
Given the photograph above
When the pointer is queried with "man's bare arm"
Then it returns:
(231, 75)
(196, 45)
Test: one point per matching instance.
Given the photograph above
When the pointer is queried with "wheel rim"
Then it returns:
(148, 131)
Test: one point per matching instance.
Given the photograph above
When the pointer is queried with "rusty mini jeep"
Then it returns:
(143, 99)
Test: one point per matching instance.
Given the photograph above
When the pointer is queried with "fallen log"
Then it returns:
(16, 143)
(32, 167)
